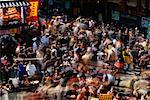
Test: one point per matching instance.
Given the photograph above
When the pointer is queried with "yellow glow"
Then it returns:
(34, 8)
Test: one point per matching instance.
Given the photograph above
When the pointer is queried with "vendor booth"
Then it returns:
(12, 15)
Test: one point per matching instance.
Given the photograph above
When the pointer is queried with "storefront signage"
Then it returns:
(115, 15)
(129, 20)
(128, 16)
(11, 16)
(145, 22)
(105, 97)
(33, 10)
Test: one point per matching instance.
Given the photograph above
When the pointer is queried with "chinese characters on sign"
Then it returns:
(10, 16)
(105, 97)
(34, 7)
(33, 11)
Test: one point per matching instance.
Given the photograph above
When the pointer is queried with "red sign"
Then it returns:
(32, 11)
(11, 16)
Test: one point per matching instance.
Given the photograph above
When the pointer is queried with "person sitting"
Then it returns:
(46, 78)
(26, 81)
(10, 86)
(84, 94)
(31, 69)
(72, 92)
(119, 65)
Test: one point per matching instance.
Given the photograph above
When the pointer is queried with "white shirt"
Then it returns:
(75, 30)
(110, 78)
(34, 45)
(53, 53)
(30, 68)
(45, 40)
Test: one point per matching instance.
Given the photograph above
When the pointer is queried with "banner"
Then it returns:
(11, 16)
(33, 10)
(105, 97)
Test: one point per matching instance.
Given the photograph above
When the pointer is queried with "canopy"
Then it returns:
(10, 4)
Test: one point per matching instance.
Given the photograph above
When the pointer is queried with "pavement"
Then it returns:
(120, 77)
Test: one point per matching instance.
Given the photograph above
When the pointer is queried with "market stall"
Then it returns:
(12, 16)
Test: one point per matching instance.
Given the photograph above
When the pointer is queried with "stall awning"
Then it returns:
(10, 4)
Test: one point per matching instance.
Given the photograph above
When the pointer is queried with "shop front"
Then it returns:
(130, 20)
(127, 12)
(12, 16)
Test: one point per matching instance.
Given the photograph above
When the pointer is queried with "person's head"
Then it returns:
(109, 46)
(119, 60)
(10, 82)
(148, 94)
(118, 96)
(47, 74)
(86, 88)
(80, 76)
(75, 86)
(30, 62)
(25, 77)
(1, 84)
(89, 49)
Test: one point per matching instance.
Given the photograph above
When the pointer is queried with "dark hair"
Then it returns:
(10, 81)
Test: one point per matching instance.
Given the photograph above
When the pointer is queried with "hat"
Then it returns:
(89, 49)
(34, 39)
(80, 75)
(46, 33)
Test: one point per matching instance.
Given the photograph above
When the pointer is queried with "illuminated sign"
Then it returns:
(105, 97)
(11, 16)
(33, 10)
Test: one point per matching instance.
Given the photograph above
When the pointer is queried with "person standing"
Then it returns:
(31, 69)
(127, 58)
(22, 70)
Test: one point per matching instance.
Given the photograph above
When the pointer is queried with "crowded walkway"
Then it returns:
(77, 59)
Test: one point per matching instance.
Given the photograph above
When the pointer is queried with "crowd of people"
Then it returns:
(75, 59)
